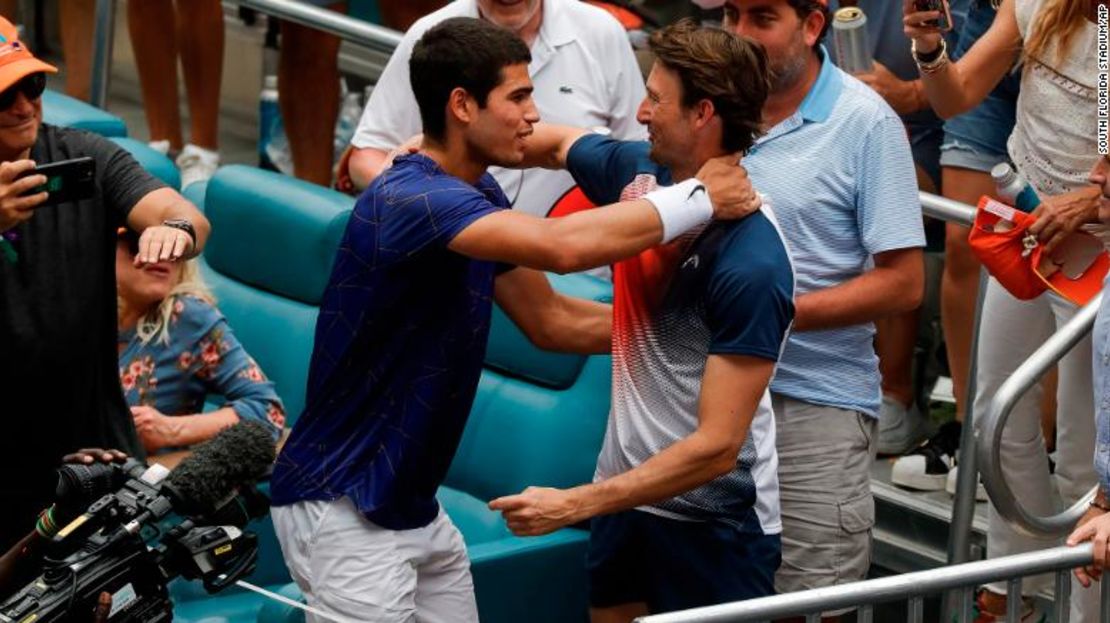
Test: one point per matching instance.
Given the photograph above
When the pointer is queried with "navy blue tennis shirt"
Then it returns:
(399, 347)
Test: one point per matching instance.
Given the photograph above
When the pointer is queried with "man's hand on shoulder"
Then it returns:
(730, 190)
(15, 208)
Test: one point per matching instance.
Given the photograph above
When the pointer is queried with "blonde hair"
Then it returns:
(1060, 20)
(155, 324)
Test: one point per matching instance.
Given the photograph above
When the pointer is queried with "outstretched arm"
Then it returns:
(592, 238)
(553, 321)
(731, 390)
(957, 87)
(549, 144)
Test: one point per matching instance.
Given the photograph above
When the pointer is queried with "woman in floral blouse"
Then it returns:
(175, 350)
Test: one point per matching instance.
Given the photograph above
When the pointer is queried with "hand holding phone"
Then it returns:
(16, 181)
(67, 180)
(942, 23)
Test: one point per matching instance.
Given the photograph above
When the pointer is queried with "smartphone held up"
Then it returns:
(67, 180)
(944, 22)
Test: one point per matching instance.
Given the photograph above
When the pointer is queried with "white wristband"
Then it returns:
(681, 207)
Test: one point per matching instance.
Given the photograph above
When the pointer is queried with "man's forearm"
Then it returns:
(877, 293)
(683, 466)
(548, 145)
(582, 326)
(163, 204)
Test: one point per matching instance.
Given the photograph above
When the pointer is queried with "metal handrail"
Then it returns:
(104, 33)
(947, 209)
(913, 586)
(988, 438)
(963, 509)
(347, 28)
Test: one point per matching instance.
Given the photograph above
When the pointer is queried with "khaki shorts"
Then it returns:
(825, 457)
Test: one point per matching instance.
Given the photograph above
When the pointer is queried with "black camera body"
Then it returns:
(140, 531)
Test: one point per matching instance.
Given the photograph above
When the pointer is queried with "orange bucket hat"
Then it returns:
(16, 60)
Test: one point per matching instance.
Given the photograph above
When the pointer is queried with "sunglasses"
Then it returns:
(31, 87)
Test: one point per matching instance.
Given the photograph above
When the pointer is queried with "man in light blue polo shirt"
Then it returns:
(895, 77)
(837, 163)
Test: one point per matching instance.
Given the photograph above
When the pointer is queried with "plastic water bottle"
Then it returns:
(269, 114)
(350, 112)
(1013, 189)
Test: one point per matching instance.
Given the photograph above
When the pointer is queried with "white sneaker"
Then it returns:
(950, 486)
(162, 146)
(197, 164)
(900, 429)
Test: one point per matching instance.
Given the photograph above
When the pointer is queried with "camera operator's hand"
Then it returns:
(15, 209)
(156, 430)
(87, 456)
(103, 608)
(920, 26)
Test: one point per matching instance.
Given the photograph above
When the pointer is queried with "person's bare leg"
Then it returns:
(1049, 384)
(200, 31)
(959, 286)
(618, 614)
(77, 21)
(154, 40)
(308, 84)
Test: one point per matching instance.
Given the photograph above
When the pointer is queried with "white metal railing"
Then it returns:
(911, 587)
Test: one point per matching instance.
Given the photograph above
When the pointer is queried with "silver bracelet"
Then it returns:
(934, 65)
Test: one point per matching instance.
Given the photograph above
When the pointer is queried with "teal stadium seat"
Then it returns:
(157, 163)
(538, 418)
(63, 110)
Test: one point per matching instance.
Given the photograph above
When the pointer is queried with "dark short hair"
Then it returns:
(804, 7)
(727, 69)
(461, 52)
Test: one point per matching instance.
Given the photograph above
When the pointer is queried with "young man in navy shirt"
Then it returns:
(403, 326)
(685, 497)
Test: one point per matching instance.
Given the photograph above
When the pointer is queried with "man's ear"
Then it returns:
(704, 113)
(814, 24)
(461, 105)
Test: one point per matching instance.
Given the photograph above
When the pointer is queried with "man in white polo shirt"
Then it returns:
(584, 73)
